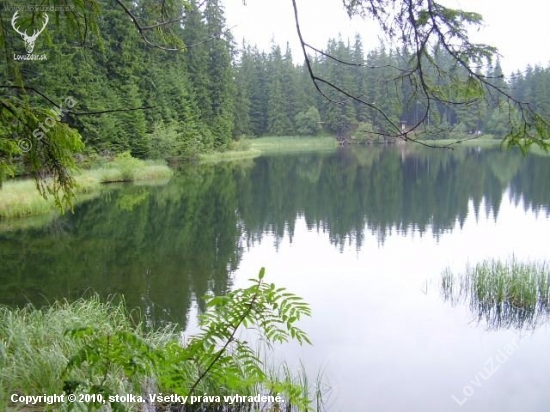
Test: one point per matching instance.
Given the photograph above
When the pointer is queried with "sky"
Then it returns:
(519, 29)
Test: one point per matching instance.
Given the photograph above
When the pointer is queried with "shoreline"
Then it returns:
(20, 199)
(256, 147)
(295, 144)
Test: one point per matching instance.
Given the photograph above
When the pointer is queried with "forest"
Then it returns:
(157, 103)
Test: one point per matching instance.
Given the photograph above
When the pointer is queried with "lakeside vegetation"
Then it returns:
(20, 198)
(99, 348)
(135, 102)
(271, 144)
(502, 293)
(251, 148)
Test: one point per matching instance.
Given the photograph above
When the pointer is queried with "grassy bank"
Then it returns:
(293, 143)
(95, 347)
(20, 198)
(229, 155)
(466, 141)
(250, 148)
(503, 294)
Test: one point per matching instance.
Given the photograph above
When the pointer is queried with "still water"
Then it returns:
(362, 235)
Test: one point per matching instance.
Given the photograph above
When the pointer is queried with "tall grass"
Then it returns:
(503, 294)
(285, 144)
(35, 351)
(21, 198)
(251, 148)
(230, 155)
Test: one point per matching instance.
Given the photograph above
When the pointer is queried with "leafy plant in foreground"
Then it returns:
(215, 362)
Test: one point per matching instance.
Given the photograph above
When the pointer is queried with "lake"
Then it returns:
(363, 235)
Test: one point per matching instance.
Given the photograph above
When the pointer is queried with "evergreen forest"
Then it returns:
(157, 102)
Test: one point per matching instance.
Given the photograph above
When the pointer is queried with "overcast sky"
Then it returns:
(520, 29)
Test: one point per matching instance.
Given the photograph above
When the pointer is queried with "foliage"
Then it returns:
(373, 78)
(21, 199)
(34, 350)
(139, 95)
(164, 141)
(429, 31)
(126, 164)
(308, 123)
(364, 133)
(216, 361)
(172, 90)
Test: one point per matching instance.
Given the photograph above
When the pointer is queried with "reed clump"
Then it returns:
(502, 293)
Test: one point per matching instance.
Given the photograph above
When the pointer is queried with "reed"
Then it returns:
(502, 293)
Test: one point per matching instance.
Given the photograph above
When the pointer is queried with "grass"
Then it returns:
(503, 294)
(34, 349)
(45, 351)
(251, 148)
(293, 143)
(20, 198)
(230, 155)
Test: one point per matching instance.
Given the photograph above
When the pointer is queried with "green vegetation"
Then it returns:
(175, 91)
(237, 150)
(272, 144)
(90, 347)
(503, 294)
(264, 77)
(229, 155)
(293, 143)
(20, 197)
(465, 140)
(127, 94)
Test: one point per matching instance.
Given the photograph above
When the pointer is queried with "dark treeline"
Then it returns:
(212, 93)
(184, 239)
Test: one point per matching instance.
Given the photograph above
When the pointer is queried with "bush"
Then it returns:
(308, 123)
(127, 165)
(364, 133)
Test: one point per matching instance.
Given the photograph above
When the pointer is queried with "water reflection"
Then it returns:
(163, 247)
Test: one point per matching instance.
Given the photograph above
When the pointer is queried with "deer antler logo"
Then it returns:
(29, 40)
